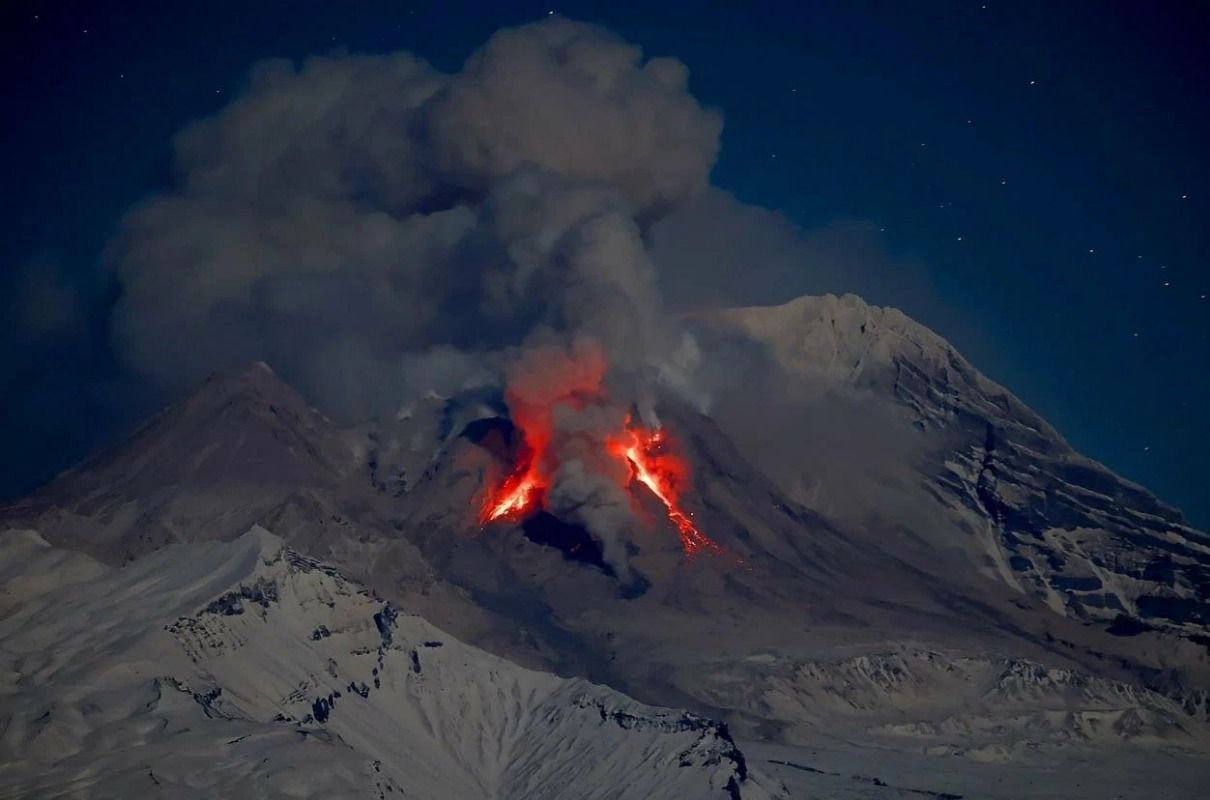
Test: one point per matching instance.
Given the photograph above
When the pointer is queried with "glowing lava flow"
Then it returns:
(651, 462)
(552, 381)
(520, 494)
(656, 467)
(544, 379)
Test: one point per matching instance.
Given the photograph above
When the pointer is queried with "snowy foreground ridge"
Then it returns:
(203, 670)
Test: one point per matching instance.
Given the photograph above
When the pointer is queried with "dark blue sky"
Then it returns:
(1043, 170)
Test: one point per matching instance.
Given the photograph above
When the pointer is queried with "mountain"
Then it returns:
(918, 585)
(988, 473)
(207, 466)
(203, 668)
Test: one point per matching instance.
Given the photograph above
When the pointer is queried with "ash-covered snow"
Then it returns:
(205, 670)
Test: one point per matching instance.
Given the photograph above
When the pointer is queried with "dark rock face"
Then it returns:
(263, 594)
(385, 620)
(1073, 533)
(321, 709)
(573, 541)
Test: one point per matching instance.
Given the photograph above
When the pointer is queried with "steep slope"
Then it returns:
(983, 472)
(763, 633)
(846, 473)
(244, 449)
(206, 467)
(205, 667)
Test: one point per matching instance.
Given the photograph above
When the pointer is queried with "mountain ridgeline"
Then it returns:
(912, 562)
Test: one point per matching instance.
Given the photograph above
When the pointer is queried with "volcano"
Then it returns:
(648, 454)
(970, 592)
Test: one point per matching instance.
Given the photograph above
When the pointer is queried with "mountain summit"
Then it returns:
(907, 558)
(987, 474)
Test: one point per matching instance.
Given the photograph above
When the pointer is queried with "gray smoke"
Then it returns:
(377, 229)
(367, 223)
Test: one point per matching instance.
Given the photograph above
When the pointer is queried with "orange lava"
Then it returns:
(546, 378)
(520, 494)
(654, 464)
(550, 378)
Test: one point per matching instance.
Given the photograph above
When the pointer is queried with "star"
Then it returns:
(1032, 83)
(959, 238)
(1091, 251)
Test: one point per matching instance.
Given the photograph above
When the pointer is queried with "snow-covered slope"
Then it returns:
(960, 463)
(981, 707)
(206, 669)
(913, 508)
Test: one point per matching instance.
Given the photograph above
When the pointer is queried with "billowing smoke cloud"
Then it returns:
(715, 249)
(368, 224)
(376, 229)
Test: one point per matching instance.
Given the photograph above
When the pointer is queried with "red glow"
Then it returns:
(550, 378)
(520, 494)
(545, 378)
(654, 464)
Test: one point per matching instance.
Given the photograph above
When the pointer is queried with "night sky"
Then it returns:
(1032, 176)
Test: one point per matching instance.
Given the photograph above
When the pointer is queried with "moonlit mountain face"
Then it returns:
(977, 595)
(207, 668)
(474, 472)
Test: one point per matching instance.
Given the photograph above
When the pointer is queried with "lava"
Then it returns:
(545, 379)
(552, 382)
(653, 464)
(520, 494)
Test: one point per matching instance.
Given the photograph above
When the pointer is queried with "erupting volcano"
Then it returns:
(569, 384)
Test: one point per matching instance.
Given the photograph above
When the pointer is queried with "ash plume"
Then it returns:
(375, 229)
(353, 217)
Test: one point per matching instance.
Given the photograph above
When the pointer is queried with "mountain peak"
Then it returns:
(845, 341)
(243, 440)
(988, 473)
(248, 381)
